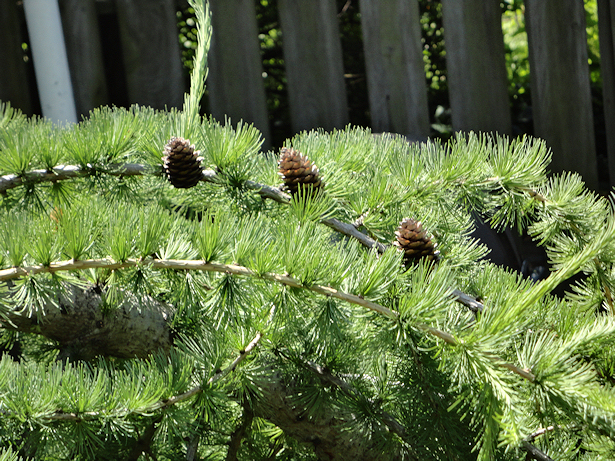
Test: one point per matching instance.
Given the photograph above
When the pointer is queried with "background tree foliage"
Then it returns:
(234, 321)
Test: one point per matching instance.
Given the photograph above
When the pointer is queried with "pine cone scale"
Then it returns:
(181, 163)
(413, 240)
(296, 170)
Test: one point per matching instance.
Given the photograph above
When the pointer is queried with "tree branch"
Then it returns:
(239, 433)
(389, 420)
(535, 452)
(64, 172)
(138, 326)
(539, 432)
(15, 272)
(144, 442)
(161, 404)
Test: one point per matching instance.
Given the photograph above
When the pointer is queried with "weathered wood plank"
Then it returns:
(13, 77)
(606, 27)
(150, 48)
(314, 67)
(83, 47)
(561, 98)
(476, 65)
(394, 65)
(235, 79)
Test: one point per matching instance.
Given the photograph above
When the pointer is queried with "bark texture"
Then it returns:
(329, 432)
(134, 329)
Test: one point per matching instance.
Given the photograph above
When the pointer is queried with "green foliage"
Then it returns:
(264, 296)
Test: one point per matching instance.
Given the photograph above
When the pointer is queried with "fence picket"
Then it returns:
(394, 66)
(83, 48)
(561, 98)
(476, 65)
(151, 53)
(313, 60)
(13, 75)
(148, 66)
(235, 79)
(606, 28)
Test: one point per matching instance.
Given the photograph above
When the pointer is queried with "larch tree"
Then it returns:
(166, 299)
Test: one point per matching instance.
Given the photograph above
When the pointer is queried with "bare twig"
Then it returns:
(468, 301)
(269, 192)
(345, 8)
(534, 452)
(350, 230)
(539, 432)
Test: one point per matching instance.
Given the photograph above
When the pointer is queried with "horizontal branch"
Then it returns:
(64, 172)
(15, 272)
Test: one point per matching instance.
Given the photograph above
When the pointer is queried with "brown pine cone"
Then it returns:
(413, 240)
(297, 170)
(181, 164)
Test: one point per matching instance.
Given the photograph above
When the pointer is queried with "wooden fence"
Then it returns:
(146, 52)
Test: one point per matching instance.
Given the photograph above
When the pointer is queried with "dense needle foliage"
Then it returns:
(294, 329)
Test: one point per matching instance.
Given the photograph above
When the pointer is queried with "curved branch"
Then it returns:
(15, 272)
(77, 417)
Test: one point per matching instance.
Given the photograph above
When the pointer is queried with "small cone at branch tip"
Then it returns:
(296, 170)
(414, 241)
(181, 163)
